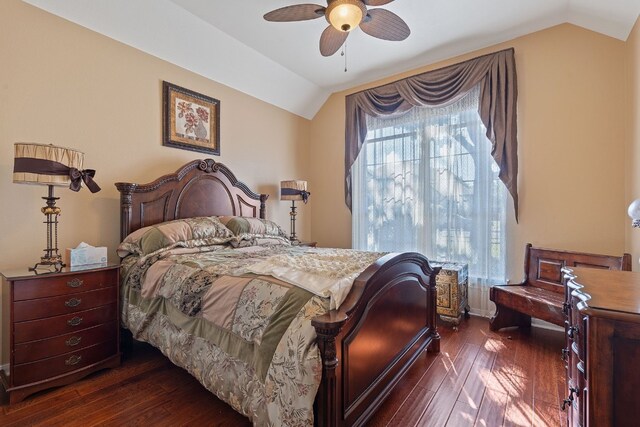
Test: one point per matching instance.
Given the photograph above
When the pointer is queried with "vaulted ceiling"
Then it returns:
(228, 40)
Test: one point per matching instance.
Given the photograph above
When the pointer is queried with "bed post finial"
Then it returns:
(126, 190)
(263, 208)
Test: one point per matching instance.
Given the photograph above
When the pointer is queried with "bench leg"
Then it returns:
(506, 317)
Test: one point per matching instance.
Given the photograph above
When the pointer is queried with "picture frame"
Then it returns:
(191, 120)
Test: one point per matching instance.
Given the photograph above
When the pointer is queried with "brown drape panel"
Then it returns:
(496, 74)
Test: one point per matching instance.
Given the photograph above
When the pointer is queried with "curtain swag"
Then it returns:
(496, 75)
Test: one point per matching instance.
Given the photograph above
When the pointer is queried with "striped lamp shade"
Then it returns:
(294, 190)
(44, 164)
(50, 165)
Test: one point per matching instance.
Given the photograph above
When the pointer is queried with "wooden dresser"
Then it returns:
(58, 327)
(602, 309)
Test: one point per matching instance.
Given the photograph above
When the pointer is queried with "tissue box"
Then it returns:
(85, 254)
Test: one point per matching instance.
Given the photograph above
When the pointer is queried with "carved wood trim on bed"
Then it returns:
(199, 188)
(386, 321)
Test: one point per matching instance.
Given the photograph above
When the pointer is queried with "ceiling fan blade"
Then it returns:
(331, 40)
(298, 12)
(376, 2)
(385, 25)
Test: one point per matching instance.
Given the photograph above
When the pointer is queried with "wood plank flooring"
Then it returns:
(481, 378)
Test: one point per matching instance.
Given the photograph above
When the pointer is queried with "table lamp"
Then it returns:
(294, 190)
(51, 166)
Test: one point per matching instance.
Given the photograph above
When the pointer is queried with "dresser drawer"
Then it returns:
(41, 349)
(45, 369)
(54, 306)
(54, 326)
(43, 287)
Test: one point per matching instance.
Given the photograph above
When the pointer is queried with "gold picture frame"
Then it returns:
(191, 121)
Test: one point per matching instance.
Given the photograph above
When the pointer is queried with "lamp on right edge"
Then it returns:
(294, 190)
(634, 213)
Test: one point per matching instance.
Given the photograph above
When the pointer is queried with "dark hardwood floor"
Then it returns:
(511, 378)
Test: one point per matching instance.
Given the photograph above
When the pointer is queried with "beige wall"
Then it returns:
(572, 130)
(633, 157)
(63, 84)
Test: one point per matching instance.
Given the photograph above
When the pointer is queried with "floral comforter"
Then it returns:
(244, 334)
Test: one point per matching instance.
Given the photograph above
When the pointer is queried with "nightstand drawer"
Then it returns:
(45, 369)
(41, 349)
(54, 326)
(43, 286)
(71, 303)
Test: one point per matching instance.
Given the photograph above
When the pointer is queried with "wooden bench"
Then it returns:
(541, 294)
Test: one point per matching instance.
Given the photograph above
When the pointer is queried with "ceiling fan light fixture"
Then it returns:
(345, 15)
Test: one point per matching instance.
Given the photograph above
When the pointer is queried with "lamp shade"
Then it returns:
(45, 164)
(51, 165)
(294, 190)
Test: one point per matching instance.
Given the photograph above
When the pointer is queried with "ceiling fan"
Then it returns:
(343, 17)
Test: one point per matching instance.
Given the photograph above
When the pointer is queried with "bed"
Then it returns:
(383, 323)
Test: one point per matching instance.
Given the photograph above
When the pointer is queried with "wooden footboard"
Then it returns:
(368, 344)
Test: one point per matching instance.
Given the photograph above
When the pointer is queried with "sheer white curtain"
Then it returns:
(426, 182)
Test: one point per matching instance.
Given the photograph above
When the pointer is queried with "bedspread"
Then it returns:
(245, 335)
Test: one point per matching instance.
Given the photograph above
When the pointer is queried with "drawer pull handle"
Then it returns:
(569, 400)
(565, 354)
(75, 321)
(73, 360)
(73, 341)
(73, 302)
(75, 283)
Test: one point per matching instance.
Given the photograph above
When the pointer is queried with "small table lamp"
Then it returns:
(294, 190)
(52, 166)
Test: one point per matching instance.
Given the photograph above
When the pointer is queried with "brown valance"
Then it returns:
(496, 75)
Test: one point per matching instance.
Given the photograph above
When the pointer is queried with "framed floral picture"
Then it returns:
(191, 121)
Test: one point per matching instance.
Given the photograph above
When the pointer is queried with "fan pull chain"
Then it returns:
(344, 53)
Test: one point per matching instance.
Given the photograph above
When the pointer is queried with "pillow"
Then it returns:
(188, 232)
(240, 225)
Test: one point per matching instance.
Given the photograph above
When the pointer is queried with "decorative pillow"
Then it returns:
(188, 232)
(248, 225)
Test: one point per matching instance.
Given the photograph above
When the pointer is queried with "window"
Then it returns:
(426, 182)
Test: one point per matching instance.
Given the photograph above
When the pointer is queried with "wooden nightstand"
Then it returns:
(58, 327)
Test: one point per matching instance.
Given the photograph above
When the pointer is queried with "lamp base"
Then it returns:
(55, 261)
(51, 256)
(293, 238)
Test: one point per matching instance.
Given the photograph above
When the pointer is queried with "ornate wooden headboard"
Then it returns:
(199, 188)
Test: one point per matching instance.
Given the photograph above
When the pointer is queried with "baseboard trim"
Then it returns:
(535, 323)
